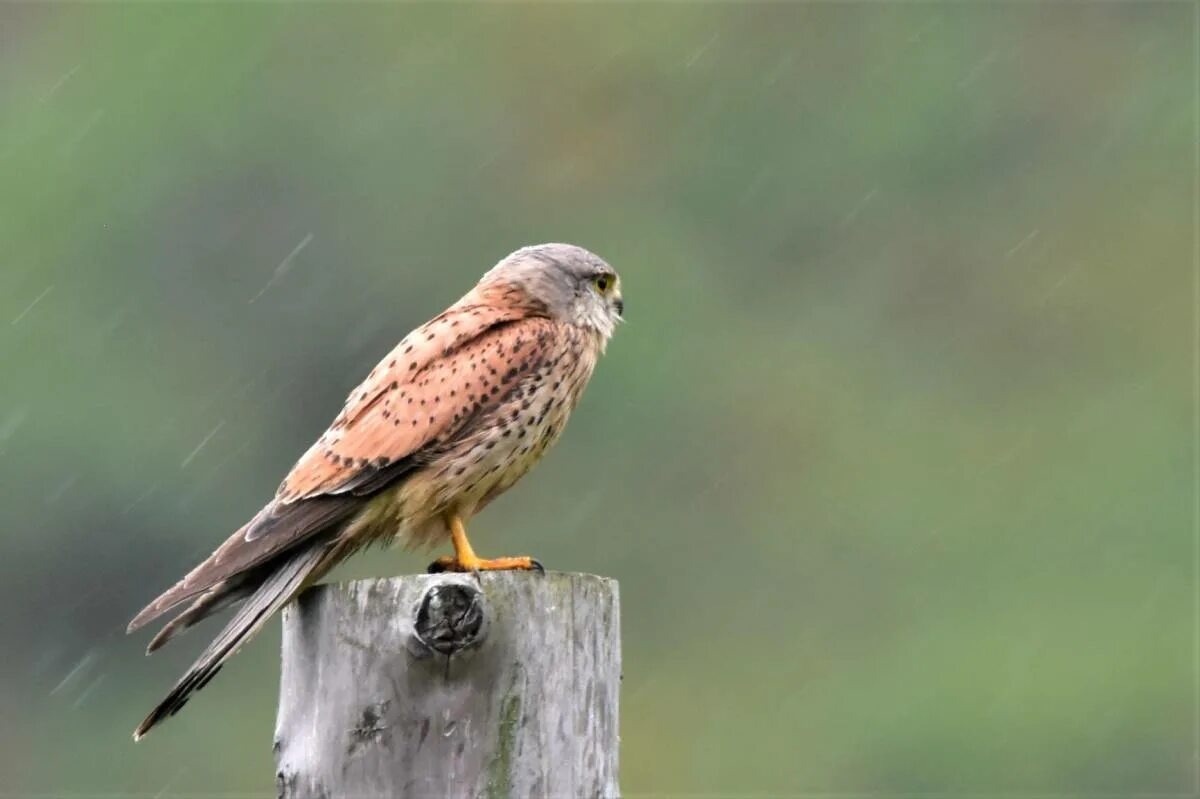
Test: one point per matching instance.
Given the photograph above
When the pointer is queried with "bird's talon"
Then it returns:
(477, 565)
(441, 565)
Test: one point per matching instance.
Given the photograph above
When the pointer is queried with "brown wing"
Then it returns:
(423, 392)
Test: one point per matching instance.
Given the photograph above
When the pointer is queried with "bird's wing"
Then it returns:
(423, 393)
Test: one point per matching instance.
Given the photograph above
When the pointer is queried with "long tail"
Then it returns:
(272, 594)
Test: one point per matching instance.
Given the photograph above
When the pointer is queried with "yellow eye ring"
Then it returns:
(603, 283)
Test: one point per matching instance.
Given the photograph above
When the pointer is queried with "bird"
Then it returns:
(451, 418)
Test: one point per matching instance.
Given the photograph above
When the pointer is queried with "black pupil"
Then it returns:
(602, 283)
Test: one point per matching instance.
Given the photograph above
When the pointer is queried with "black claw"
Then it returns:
(537, 566)
(437, 567)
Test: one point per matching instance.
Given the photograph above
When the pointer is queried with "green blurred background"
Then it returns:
(893, 460)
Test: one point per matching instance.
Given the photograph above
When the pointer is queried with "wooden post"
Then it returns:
(442, 686)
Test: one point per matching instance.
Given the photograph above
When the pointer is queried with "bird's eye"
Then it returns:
(602, 283)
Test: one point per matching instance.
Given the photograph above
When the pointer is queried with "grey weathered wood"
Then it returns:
(439, 686)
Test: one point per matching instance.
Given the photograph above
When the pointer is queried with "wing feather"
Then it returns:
(273, 530)
(420, 394)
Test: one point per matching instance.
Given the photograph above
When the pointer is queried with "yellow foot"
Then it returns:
(476, 565)
(465, 559)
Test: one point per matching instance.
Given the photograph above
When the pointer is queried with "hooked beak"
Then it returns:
(620, 304)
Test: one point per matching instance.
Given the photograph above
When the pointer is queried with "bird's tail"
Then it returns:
(214, 600)
(272, 594)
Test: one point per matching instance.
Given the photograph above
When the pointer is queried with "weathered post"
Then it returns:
(442, 686)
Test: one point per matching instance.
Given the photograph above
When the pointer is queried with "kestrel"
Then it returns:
(451, 418)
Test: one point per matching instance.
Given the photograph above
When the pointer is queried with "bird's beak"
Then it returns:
(620, 305)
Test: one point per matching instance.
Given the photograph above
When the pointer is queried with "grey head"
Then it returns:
(575, 286)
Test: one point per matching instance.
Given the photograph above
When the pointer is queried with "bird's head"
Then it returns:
(572, 284)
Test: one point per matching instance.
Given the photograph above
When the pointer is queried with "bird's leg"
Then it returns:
(465, 559)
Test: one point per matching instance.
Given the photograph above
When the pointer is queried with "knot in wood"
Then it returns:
(450, 617)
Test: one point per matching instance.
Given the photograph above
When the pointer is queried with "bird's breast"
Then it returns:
(508, 441)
